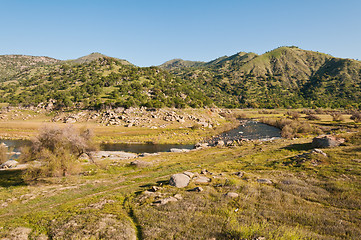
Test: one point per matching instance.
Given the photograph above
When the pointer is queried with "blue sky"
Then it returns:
(154, 31)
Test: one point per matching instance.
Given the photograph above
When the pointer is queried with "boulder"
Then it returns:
(202, 179)
(165, 200)
(9, 164)
(189, 174)
(179, 180)
(197, 189)
(178, 196)
(114, 155)
(148, 154)
(319, 151)
(201, 145)
(140, 163)
(155, 188)
(239, 174)
(231, 194)
(263, 180)
(220, 143)
(324, 141)
(179, 150)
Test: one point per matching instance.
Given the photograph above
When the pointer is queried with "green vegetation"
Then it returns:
(287, 77)
(104, 82)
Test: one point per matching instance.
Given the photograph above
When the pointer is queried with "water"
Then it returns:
(142, 148)
(251, 130)
(15, 146)
(248, 129)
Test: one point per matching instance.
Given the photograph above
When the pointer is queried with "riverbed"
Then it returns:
(248, 129)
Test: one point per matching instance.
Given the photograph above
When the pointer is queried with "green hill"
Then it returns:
(102, 82)
(284, 77)
(10, 65)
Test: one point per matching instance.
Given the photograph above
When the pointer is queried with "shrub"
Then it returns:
(337, 116)
(263, 111)
(54, 152)
(291, 128)
(293, 115)
(3, 153)
(356, 116)
(312, 117)
(308, 111)
(319, 111)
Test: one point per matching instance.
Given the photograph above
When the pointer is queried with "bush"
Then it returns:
(312, 117)
(291, 128)
(337, 116)
(356, 116)
(308, 111)
(320, 111)
(54, 152)
(293, 115)
(3, 153)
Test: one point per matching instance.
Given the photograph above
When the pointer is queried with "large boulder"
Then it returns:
(179, 180)
(326, 141)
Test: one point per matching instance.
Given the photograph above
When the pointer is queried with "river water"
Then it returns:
(248, 129)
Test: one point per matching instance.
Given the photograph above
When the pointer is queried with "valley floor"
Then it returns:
(278, 189)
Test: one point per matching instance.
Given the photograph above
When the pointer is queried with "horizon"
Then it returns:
(151, 33)
(194, 60)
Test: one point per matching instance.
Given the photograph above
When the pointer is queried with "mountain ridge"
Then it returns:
(284, 77)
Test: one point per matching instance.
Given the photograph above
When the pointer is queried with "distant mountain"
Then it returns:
(11, 65)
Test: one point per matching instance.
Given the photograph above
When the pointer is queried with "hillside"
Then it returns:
(11, 65)
(284, 77)
(103, 82)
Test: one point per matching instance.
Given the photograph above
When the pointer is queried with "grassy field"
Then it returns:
(281, 195)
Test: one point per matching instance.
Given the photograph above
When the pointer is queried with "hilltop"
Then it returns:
(95, 56)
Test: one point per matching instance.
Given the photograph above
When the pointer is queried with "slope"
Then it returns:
(284, 77)
(11, 65)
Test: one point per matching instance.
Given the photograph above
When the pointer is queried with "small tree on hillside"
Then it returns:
(55, 151)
